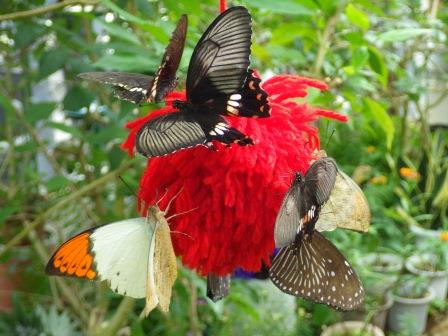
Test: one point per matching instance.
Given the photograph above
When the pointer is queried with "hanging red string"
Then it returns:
(222, 5)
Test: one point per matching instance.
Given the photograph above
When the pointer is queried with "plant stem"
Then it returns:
(64, 202)
(46, 9)
(325, 40)
(193, 311)
(119, 318)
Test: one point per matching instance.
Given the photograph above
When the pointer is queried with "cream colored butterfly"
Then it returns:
(135, 256)
(347, 207)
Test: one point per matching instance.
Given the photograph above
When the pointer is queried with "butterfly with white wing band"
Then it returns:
(219, 82)
(308, 265)
(138, 88)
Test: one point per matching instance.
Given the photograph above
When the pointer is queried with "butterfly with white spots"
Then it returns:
(307, 264)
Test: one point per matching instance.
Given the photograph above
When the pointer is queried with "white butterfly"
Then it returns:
(134, 256)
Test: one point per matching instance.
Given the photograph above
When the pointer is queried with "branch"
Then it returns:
(46, 9)
(64, 202)
(119, 318)
(325, 41)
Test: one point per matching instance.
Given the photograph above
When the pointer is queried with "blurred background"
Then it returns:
(60, 157)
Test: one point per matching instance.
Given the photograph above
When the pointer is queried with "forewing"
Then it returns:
(128, 86)
(116, 252)
(288, 217)
(165, 79)
(217, 286)
(74, 258)
(168, 133)
(320, 179)
(220, 60)
(315, 270)
(347, 207)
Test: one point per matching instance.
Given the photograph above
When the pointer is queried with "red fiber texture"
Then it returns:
(233, 195)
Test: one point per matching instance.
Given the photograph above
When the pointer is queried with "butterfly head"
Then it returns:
(298, 178)
(179, 104)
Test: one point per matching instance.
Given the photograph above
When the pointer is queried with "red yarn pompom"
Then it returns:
(235, 192)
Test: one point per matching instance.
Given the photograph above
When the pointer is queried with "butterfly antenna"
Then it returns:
(328, 141)
(172, 199)
(183, 233)
(161, 198)
(181, 213)
(128, 186)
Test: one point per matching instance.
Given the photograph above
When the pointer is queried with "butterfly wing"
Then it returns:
(315, 270)
(127, 86)
(165, 79)
(139, 88)
(288, 217)
(320, 179)
(217, 286)
(220, 60)
(169, 133)
(249, 101)
(165, 265)
(117, 253)
(347, 207)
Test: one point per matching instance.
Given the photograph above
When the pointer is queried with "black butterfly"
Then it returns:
(218, 82)
(139, 88)
(217, 286)
(307, 264)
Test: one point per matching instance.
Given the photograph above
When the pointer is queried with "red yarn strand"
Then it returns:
(222, 5)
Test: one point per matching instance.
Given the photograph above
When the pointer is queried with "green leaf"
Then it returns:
(124, 14)
(403, 34)
(51, 61)
(360, 57)
(118, 31)
(383, 119)
(126, 63)
(106, 135)
(357, 17)
(65, 128)
(378, 65)
(284, 7)
(27, 33)
(56, 183)
(5, 102)
(6, 212)
(39, 111)
(77, 98)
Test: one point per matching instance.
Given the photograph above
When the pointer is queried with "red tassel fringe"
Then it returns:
(235, 192)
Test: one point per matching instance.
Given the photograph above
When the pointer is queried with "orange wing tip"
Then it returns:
(73, 258)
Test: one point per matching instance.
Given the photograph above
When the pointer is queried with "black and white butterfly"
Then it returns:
(219, 82)
(139, 88)
(307, 264)
(218, 286)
